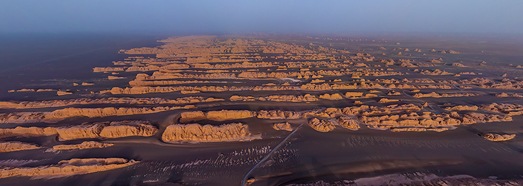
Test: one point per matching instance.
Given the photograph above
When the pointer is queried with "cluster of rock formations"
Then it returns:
(305, 84)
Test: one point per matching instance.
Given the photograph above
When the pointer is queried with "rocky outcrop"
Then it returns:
(126, 130)
(462, 108)
(283, 126)
(206, 133)
(505, 108)
(476, 117)
(115, 129)
(61, 114)
(321, 125)
(499, 137)
(83, 145)
(16, 146)
(444, 95)
(419, 129)
(335, 96)
(68, 168)
(276, 98)
(278, 114)
(222, 115)
(27, 132)
(348, 123)
(113, 100)
(63, 93)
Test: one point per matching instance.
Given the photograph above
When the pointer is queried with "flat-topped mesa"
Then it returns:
(81, 146)
(222, 115)
(283, 126)
(322, 125)
(115, 129)
(111, 100)
(206, 133)
(61, 114)
(16, 146)
(66, 168)
(499, 137)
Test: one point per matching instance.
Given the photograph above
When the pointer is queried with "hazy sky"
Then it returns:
(227, 16)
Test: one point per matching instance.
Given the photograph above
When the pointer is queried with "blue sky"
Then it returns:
(284, 16)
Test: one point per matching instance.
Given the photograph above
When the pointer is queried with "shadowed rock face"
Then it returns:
(68, 168)
(206, 133)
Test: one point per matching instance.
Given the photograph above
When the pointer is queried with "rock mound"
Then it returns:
(83, 145)
(206, 133)
(321, 125)
(499, 137)
(68, 168)
(16, 146)
(282, 126)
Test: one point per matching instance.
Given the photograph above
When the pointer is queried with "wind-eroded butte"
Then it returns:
(116, 129)
(207, 133)
(67, 168)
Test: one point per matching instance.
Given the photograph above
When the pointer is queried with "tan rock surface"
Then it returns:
(283, 126)
(321, 125)
(68, 168)
(206, 133)
(83, 145)
(16, 146)
(499, 137)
